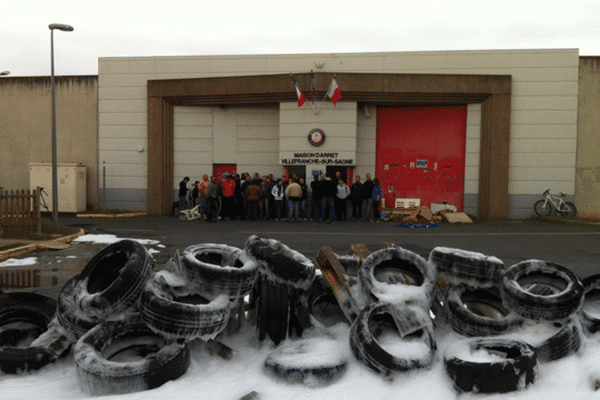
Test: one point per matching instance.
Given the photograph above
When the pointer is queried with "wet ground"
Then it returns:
(574, 245)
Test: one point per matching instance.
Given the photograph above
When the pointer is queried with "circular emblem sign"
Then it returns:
(316, 137)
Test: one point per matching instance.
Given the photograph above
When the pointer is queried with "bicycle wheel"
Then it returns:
(567, 209)
(542, 208)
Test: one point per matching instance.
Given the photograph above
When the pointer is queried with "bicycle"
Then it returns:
(543, 208)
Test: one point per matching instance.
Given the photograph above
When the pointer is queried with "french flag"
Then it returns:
(299, 92)
(334, 92)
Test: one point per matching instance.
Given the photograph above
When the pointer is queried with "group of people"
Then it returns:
(254, 197)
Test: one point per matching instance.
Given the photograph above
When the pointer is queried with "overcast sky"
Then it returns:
(109, 28)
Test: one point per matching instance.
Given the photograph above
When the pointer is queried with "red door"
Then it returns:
(220, 171)
(421, 153)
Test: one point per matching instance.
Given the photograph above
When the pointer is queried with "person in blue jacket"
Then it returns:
(376, 198)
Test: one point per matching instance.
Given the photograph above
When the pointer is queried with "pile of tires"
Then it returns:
(124, 320)
(400, 285)
(535, 301)
(212, 276)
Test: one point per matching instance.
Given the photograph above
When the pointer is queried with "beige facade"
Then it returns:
(587, 181)
(26, 130)
(543, 122)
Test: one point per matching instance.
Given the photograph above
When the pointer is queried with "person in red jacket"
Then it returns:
(228, 197)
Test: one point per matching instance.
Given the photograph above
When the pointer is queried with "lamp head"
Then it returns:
(61, 27)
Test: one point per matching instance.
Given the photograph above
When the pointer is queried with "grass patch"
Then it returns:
(49, 231)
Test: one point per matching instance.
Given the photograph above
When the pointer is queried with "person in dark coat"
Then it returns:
(329, 187)
(315, 199)
(254, 193)
(367, 192)
(356, 198)
(183, 205)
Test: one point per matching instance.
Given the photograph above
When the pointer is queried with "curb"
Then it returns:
(29, 248)
(566, 221)
(121, 215)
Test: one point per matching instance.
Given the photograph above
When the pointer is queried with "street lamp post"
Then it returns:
(67, 28)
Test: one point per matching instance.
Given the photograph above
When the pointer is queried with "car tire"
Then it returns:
(541, 290)
(193, 316)
(219, 269)
(478, 312)
(280, 263)
(513, 371)
(589, 313)
(28, 338)
(565, 342)
(108, 286)
(398, 275)
(366, 347)
(103, 369)
(319, 304)
(313, 361)
(461, 266)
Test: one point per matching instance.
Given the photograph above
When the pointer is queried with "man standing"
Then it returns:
(356, 198)
(253, 194)
(203, 195)
(367, 192)
(329, 191)
(315, 199)
(293, 193)
(213, 200)
(228, 197)
(266, 195)
(303, 199)
(183, 194)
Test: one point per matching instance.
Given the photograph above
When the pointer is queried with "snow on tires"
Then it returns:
(541, 290)
(462, 266)
(123, 319)
(490, 365)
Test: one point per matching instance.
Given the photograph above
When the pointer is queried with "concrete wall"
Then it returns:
(587, 180)
(26, 127)
(543, 108)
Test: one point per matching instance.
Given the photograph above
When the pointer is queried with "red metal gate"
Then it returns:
(421, 153)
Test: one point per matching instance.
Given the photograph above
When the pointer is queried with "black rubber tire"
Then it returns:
(565, 342)
(114, 278)
(379, 272)
(513, 373)
(467, 320)
(68, 312)
(293, 361)
(589, 313)
(568, 210)
(542, 209)
(99, 373)
(109, 286)
(192, 317)
(25, 316)
(365, 347)
(219, 269)
(280, 263)
(561, 294)
(461, 266)
(319, 303)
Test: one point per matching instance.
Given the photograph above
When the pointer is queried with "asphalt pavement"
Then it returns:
(572, 244)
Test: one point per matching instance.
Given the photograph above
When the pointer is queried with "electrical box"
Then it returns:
(71, 185)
